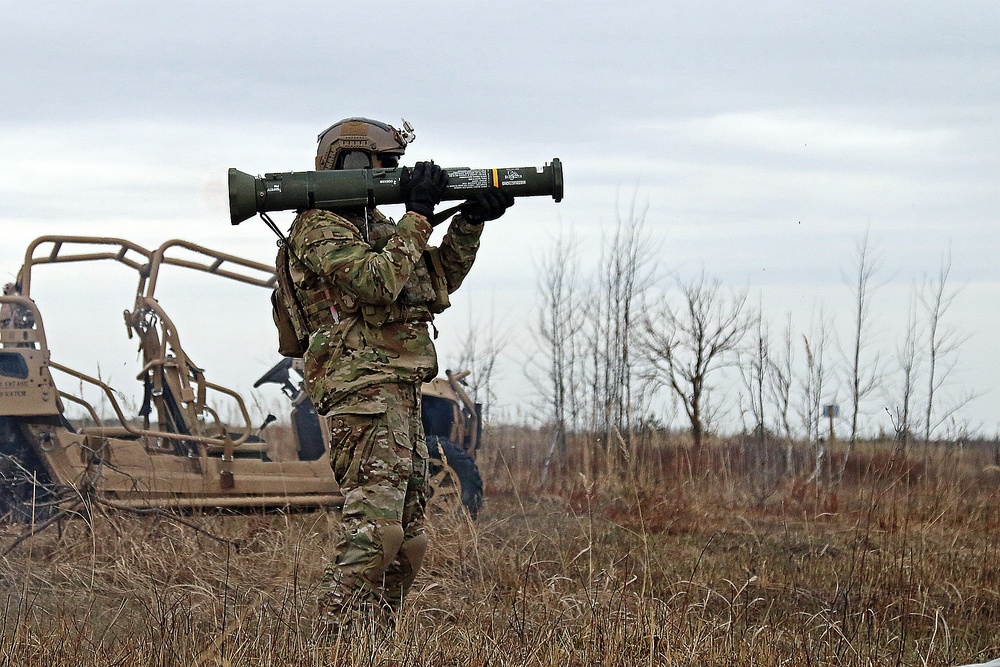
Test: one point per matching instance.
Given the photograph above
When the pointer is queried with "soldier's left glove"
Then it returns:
(489, 204)
(422, 187)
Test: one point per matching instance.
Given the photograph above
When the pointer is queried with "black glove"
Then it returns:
(422, 187)
(489, 204)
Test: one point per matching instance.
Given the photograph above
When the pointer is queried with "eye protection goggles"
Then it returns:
(363, 160)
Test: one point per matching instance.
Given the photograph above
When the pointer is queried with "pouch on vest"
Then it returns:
(288, 315)
(432, 256)
(289, 344)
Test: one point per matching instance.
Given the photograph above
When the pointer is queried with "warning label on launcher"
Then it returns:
(469, 179)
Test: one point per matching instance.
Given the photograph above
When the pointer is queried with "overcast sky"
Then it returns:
(764, 137)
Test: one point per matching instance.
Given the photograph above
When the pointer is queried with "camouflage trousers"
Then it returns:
(380, 462)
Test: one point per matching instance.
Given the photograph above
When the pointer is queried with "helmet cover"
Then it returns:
(360, 134)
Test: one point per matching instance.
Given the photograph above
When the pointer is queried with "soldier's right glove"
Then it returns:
(489, 204)
(422, 187)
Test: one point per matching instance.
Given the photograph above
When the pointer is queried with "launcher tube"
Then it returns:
(370, 187)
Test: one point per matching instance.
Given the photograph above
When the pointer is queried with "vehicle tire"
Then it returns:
(464, 467)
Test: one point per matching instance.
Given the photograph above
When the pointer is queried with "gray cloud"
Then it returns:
(764, 136)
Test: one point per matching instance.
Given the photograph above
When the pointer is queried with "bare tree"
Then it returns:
(685, 344)
(625, 273)
(864, 369)
(755, 372)
(814, 386)
(780, 386)
(760, 456)
(557, 329)
(480, 349)
(907, 363)
(943, 343)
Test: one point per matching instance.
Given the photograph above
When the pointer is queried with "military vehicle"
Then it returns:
(179, 449)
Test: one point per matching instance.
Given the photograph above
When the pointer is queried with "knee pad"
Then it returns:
(371, 551)
(392, 540)
(413, 550)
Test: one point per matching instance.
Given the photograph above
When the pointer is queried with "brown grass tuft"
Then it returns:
(654, 558)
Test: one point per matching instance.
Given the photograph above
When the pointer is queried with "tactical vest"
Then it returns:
(424, 294)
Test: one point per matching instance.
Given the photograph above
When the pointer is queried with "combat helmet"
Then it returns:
(353, 142)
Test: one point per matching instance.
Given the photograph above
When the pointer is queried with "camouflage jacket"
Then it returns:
(369, 287)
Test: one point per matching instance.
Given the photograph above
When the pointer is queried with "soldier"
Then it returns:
(369, 288)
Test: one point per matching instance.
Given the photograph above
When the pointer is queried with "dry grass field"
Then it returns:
(668, 560)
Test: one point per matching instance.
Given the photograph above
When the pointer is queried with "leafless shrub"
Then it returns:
(686, 342)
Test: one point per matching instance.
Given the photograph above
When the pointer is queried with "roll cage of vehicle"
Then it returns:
(177, 451)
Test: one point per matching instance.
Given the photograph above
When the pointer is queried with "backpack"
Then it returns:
(289, 316)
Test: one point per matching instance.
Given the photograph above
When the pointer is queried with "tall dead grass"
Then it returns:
(654, 558)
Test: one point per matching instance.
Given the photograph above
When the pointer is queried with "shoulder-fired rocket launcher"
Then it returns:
(369, 187)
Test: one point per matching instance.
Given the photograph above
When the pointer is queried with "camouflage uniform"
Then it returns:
(369, 288)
